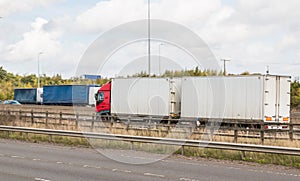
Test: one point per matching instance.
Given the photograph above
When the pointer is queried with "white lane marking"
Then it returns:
(50, 147)
(41, 179)
(140, 157)
(15, 156)
(154, 175)
(233, 168)
(85, 166)
(186, 163)
(59, 162)
(188, 179)
(118, 170)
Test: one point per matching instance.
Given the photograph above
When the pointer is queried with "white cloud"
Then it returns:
(107, 14)
(60, 55)
(8, 7)
(186, 12)
(268, 11)
(34, 41)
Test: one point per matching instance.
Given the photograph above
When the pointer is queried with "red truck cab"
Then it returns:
(103, 99)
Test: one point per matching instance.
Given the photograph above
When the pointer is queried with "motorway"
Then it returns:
(46, 162)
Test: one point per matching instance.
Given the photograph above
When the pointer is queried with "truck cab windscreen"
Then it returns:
(100, 97)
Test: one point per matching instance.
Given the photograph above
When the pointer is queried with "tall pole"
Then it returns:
(224, 60)
(38, 59)
(149, 38)
(159, 57)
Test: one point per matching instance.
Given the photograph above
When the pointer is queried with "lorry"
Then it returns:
(29, 95)
(262, 98)
(69, 94)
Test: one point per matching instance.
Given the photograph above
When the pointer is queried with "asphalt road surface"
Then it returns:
(45, 162)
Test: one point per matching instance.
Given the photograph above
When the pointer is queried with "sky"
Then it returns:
(253, 35)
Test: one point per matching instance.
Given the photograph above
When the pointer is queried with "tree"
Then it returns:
(3, 73)
(295, 94)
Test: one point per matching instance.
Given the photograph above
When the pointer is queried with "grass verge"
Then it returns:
(262, 158)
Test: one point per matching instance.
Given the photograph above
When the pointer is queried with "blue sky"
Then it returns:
(253, 34)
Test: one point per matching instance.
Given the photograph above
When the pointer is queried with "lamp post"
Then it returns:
(38, 61)
(159, 57)
(149, 53)
(224, 60)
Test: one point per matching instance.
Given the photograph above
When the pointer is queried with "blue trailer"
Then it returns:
(67, 94)
(28, 95)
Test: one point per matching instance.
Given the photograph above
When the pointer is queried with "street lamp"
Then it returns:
(149, 34)
(159, 57)
(224, 60)
(38, 61)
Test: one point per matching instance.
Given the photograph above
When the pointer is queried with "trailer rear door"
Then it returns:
(277, 99)
(270, 99)
(283, 99)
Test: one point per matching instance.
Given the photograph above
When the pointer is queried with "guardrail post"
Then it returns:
(46, 122)
(76, 121)
(128, 123)
(243, 155)
(131, 145)
(32, 118)
(262, 133)
(211, 133)
(182, 150)
(291, 133)
(148, 123)
(13, 120)
(235, 133)
(60, 118)
(169, 124)
(50, 138)
(20, 115)
(92, 125)
(27, 136)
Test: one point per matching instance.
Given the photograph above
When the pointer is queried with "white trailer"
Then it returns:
(39, 95)
(146, 96)
(92, 92)
(254, 97)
